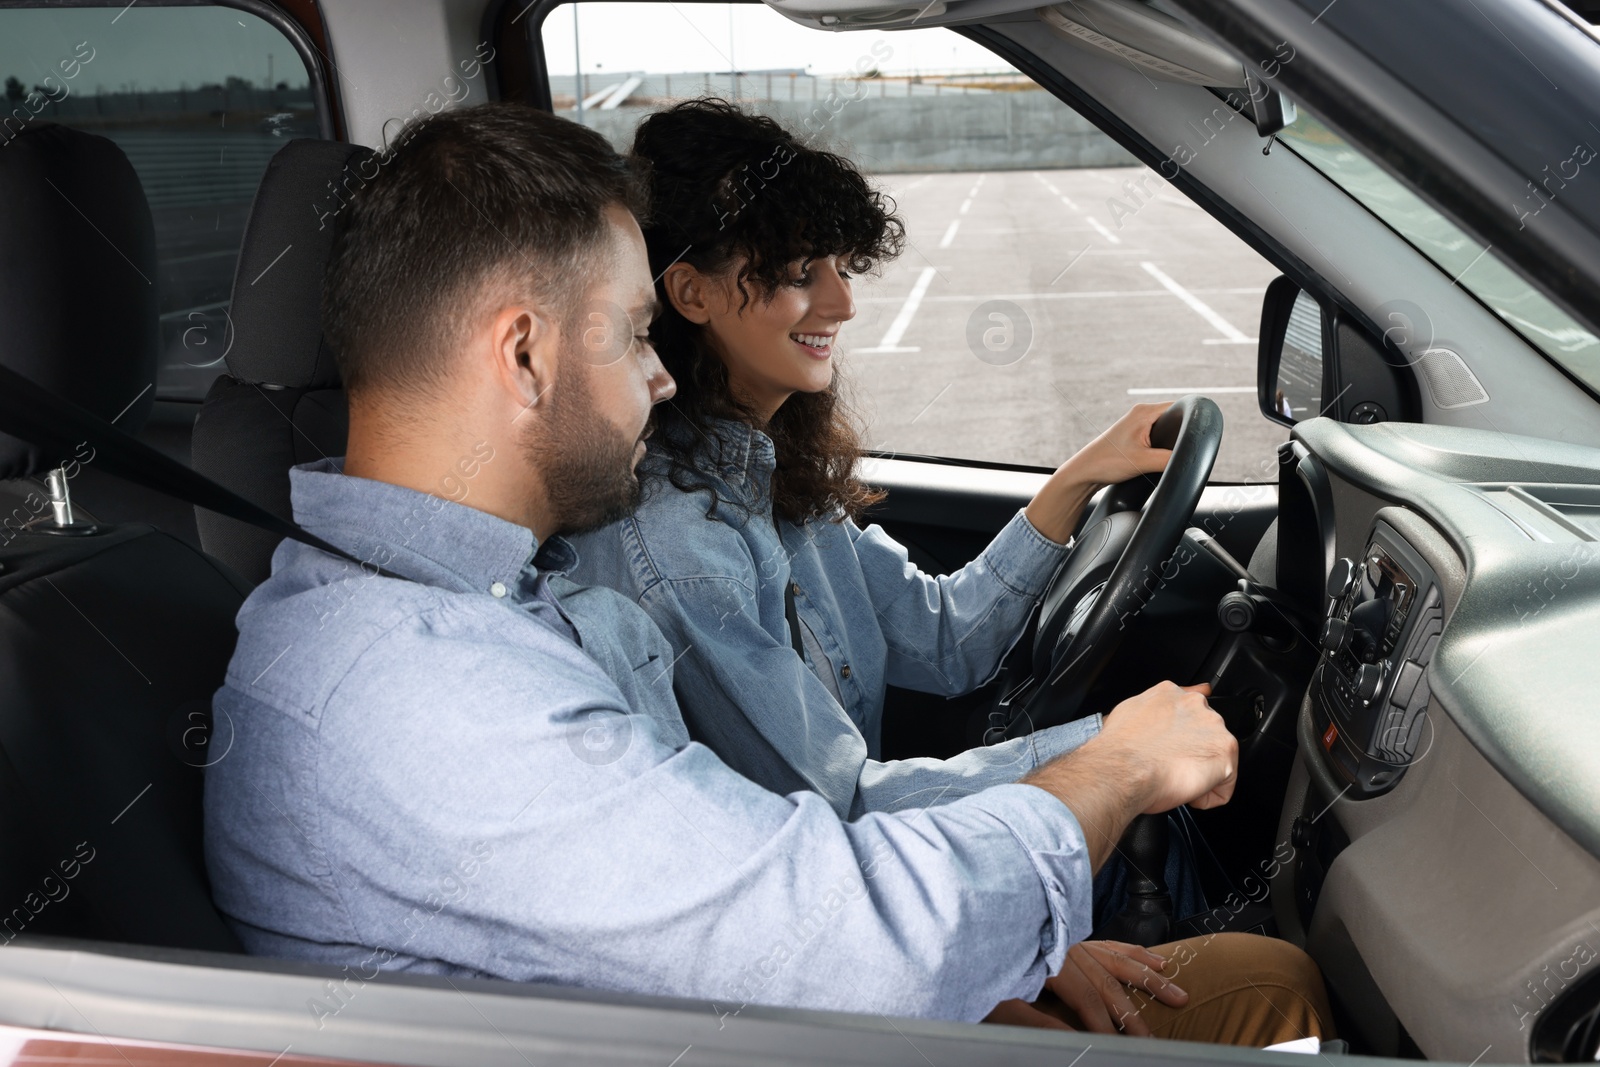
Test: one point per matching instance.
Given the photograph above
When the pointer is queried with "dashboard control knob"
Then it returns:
(1249, 609)
(1367, 412)
(1333, 632)
(1369, 680)
(1339, 579)
(1236, 612)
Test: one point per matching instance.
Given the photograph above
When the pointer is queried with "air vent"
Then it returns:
(1451, 382)
(1568, 1031)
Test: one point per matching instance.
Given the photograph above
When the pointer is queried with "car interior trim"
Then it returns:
(1509, 643)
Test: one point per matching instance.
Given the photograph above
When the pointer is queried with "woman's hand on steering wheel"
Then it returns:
(1123, 451)
(1128, 541)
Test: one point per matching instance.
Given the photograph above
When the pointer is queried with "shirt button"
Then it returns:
(844, 672)
(498, 589)
(794, 587)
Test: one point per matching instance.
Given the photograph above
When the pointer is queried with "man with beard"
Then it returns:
(456, 761)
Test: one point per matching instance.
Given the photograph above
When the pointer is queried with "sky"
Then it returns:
(150, 48)
(663, 37)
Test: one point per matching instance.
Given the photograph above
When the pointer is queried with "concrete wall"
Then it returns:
(980, 131)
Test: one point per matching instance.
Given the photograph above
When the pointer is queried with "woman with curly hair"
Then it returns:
(788, 618)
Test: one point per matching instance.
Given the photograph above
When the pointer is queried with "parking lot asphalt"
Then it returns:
(1031, 308)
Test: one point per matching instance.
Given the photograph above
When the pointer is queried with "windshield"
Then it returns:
(1474, 267)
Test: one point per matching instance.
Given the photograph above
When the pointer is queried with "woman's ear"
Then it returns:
(689, 292)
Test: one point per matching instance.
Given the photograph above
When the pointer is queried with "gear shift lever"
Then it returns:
(1146, 917)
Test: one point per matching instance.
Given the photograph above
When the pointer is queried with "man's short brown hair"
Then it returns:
(464, 203)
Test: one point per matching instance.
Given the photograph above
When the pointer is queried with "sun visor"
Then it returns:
(1151, 40)
(1132, 30)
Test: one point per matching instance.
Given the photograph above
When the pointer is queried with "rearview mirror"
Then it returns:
(1290, 357)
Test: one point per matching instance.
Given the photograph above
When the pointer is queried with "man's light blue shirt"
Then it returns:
(711, 565)
(482, 771)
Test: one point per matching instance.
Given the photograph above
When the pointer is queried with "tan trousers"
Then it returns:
(1243, 990)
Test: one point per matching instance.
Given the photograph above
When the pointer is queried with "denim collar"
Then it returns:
(743, 456)
(426, 538)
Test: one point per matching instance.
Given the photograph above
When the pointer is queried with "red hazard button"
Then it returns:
(1330, 735)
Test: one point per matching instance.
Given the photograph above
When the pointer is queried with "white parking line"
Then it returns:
(965, 204)
(902, 322)
(950, 234)
(1065, 199)
(1101, 230)
(1207, 389)
(925, 179)
(1230, 332)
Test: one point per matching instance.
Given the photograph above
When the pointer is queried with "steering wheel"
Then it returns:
(1118, 566)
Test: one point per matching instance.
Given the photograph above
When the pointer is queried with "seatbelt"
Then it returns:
(793, 618)
(33, 413)
(790, 615)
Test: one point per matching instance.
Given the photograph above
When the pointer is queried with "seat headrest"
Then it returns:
(79, 311)
(277, 286)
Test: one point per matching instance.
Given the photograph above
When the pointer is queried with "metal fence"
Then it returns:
(197, 168)
(758, 85)
(887, 126)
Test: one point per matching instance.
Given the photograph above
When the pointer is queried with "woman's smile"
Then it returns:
(816, 345)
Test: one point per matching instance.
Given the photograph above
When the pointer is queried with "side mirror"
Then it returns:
(1289, 365)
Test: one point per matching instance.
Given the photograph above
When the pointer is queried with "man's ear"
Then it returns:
(689, 291)
(524, 350)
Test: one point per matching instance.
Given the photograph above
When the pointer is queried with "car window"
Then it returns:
(1049, 281)
(1475, 268)
(199, 98)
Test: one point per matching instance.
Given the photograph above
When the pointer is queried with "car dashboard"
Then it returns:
(1444, 810)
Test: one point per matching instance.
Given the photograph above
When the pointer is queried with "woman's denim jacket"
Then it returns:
(869, 618)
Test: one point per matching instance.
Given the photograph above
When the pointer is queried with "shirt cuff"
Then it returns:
(1049, 834)
(1054, 741)
(1023, 558)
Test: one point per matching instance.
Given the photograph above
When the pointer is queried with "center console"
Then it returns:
(1384, 617)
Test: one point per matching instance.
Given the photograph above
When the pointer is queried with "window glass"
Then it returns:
(1049, 281)
(199, 98)
(1478, 270)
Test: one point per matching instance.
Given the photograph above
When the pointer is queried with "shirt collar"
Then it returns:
(425, 538)
(741, 454)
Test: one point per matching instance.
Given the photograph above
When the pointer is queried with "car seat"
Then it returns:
(112, 637)
(281, 402)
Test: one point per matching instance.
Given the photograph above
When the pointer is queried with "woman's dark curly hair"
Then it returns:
(727, 185)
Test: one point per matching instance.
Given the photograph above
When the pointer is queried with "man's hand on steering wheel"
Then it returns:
(1094, 983)
(1123, 451)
